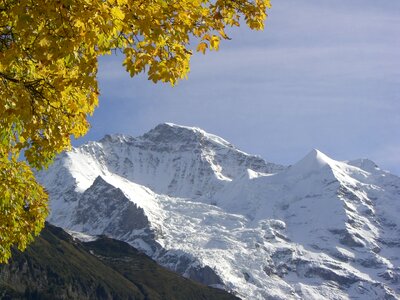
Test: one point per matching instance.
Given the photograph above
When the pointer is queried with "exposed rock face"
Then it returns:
(320, 228)
(103, 202)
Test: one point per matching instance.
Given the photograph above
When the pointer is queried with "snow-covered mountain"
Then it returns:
(319, 229)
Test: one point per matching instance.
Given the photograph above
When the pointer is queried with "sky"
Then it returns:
(323, 74)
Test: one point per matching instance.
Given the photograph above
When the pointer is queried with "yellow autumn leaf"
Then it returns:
(117, 13)
(44, 42)
(201, 47)
(79, 24)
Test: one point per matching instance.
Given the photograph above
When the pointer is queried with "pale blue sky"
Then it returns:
(324, 74)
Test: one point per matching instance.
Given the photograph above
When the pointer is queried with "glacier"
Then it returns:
(318, 229)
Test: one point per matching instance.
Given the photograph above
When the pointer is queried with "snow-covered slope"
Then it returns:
(319, 229)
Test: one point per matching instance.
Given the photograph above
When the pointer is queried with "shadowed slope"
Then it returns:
(56, 266)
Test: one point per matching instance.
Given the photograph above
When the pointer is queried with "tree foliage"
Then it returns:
(48, 67)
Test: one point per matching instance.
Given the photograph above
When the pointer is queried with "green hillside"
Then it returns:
(56, 266)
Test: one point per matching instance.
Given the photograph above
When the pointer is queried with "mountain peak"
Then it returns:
(319, 157)
(117, 138)
(364, 164)
(170, 133)
(169, 159)
(315, 160)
